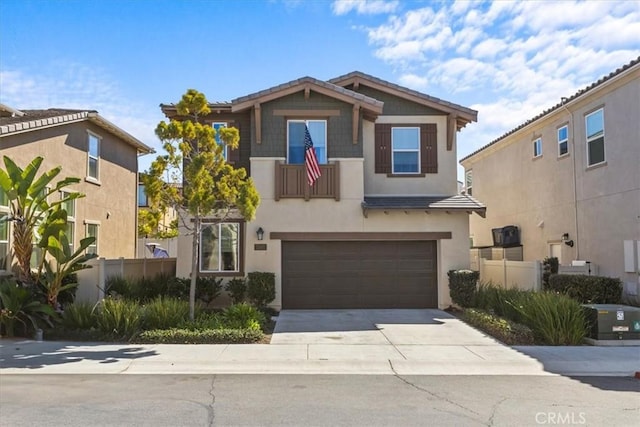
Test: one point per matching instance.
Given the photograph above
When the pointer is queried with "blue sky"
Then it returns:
(508, 60)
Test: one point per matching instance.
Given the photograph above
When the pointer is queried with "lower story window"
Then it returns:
(220, 247)
(4, 241)
(92, 231)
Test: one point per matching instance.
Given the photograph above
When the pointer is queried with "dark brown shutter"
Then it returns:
(233, 155)
(383, 148)
(428, 148)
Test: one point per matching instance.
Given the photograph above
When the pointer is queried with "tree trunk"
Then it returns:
(194, 267)
(22, 248)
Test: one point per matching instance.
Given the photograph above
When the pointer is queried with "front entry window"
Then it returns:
(220, 247)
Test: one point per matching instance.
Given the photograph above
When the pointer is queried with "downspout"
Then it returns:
(575, 179)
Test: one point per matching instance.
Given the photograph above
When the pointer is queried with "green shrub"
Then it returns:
(118, 286)
(204, 320)
(462, 286)
(549, 267)
(79, 316)
(237, 289)
(587, 289)
(555, 319)
(164, 313)
(119, 319)
(208, 289)
(507, 331)
(501, 301)
(261, 288)
(206, 336)
(19, 306)
(244, 316)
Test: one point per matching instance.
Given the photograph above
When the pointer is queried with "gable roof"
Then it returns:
(563, 101)
(464, 115)
(31, 120)
(307, 83)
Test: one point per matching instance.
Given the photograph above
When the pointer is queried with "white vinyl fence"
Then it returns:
(524, 275)
(91, 282)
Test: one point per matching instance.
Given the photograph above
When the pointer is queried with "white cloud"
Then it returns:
(364, 7)
(414, 81)
(76, 86)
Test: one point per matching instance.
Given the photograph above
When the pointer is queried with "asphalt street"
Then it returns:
(317, 400)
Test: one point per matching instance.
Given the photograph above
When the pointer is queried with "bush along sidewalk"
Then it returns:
(162, 320)
(553, 318)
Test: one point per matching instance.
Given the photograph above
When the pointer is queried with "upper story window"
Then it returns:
(468, 182)
(537, 147)
(594, 124)
(563, 140)
(142, 196)
(220, 247)
(405, 156)
(217, 126)
(93, 157)
(295, 140)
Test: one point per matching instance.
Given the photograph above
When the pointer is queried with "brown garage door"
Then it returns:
(372, 274)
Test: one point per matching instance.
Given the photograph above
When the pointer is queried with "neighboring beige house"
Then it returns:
(569, 179)
(382, 225)
(89, 147)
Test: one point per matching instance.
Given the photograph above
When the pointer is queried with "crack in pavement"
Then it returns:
(210, 410)
(436, 396)
(494, 409)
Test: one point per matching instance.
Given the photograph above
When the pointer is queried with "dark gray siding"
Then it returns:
(274, 128)
(394, 106)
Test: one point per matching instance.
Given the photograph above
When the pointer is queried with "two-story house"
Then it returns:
(569, 178)
(89, 147)
(384, 222)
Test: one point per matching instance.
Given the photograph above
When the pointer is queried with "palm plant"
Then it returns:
(28, 205)
(17, 305)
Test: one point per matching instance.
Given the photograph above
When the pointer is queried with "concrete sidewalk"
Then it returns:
(56, 357)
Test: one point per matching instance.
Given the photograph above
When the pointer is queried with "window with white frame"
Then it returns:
(405, 153)
(92, 230)
(295, 140)
(217, 126)
(563, 140)
(594, 124)
(70, 207)
(4, 230)
(468, 182)
(220, 247)
(93, 156)
(143, 200)
(537, 147)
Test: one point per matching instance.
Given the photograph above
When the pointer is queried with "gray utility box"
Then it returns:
(613, 321)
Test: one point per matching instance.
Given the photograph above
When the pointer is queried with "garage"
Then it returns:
(359, 274)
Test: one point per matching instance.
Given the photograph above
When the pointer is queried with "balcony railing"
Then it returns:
(291, 182)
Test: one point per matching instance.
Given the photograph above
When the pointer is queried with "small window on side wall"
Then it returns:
(468, 182)
(594, 124)
(537, 147)
(92, 231)
(93, 157)
(563, 140)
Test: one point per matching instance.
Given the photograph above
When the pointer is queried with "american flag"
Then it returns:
(310, 159)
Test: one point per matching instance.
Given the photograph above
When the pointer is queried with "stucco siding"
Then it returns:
(111, 203)
(442, 183)
(597, 206)
(345, 216)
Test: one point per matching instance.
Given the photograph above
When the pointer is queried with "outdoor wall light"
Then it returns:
(260, 233)
(565, 239)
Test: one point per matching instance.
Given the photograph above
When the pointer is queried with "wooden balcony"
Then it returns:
(291, 182)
